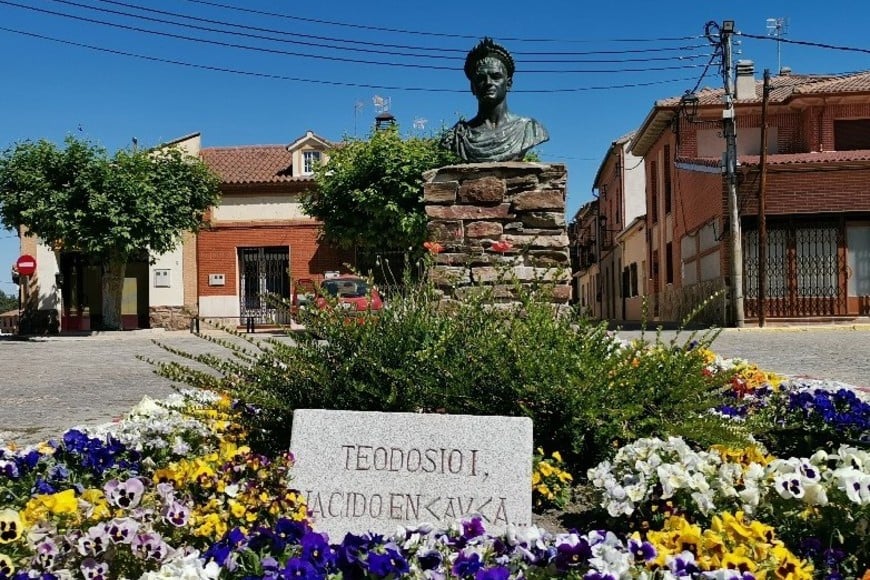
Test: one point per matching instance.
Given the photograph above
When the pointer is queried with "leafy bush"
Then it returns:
(585, 390)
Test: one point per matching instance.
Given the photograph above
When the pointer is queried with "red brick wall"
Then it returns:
(698, 198)
(217, 252)
(808, 192)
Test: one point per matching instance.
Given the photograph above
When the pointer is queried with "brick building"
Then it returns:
(620, 186)
(259, 241)
(817, 198)
(583, 235)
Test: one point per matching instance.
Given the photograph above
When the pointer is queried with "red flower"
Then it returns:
(501, 246)
(433, 247)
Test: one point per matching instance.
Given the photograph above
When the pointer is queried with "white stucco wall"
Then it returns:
(246, 207)
(46, 268)
(711, 143)
(173, 295)
(216, 306)
(635, 186)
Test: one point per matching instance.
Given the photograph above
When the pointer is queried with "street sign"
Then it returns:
(26, 265)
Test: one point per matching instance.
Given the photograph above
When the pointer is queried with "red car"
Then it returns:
(351, 292)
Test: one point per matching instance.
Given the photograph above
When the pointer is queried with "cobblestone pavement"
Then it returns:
(50, 385)
(840, 353)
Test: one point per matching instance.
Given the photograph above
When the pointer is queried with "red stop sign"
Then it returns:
(26, 265)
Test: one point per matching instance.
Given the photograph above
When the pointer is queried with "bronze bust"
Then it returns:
(494, 134)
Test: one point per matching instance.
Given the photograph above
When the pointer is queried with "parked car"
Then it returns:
(350, 292)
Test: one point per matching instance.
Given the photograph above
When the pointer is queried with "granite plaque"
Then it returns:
(364, 471)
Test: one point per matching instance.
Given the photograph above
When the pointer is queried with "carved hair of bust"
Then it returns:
(487, 48)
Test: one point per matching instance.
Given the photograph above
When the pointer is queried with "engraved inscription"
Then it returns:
(439, 461)
(405, 507)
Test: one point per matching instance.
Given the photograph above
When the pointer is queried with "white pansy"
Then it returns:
(815, 494)
(186, 567)
(848, 480)
(789, 486)
(704, 502)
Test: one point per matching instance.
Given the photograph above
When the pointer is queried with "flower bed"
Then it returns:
(173, 491)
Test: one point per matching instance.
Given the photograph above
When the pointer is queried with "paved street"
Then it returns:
(50, 385)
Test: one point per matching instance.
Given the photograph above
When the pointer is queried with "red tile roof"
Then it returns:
(785, 86)
(252, 164)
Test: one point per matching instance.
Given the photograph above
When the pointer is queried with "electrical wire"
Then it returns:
(320, 81)
(459, 52)
(326, 57)
(421, 32)
(805, 43)
(295, 34)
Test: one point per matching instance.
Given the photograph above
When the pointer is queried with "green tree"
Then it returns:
(110, 208)
(8, 301)
(369, 193)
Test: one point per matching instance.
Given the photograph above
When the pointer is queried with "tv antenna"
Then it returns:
(382, 104)
(777, 28)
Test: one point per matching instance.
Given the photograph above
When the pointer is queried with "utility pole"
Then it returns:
(762, 218)
(730, 133)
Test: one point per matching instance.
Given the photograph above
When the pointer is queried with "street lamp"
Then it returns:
(689, 106)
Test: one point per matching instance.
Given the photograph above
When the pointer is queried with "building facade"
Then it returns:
(817, 199)
(620, 185)
(583, 234)
(259, 242)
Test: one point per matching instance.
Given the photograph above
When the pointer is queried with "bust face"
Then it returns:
(490, 83)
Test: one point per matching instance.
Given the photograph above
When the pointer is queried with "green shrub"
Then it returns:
(585, 391)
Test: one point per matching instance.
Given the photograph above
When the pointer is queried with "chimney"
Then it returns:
(745, 88)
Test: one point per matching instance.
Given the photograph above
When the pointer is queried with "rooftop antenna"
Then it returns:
(382, 104)
(384, 117)
(777, 28)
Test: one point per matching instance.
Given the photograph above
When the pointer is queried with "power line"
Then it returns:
(421, 32)
(459, 51)
(320, 81)
(326, 57)
(269, 30)
(458, 59)
(806, 43)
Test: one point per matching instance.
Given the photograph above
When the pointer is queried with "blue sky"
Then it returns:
(321, 73)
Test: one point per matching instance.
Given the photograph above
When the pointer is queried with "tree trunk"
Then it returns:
(113, 288)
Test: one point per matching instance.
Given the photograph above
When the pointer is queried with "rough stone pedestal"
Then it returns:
(474, 209)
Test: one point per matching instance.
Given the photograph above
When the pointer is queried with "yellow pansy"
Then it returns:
(95, 505)
(63, 503)
(7, 568)
(11, 526)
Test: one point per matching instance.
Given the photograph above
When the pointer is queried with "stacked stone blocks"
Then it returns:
(473, 209)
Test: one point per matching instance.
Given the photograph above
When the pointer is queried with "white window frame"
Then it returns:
(309, 159)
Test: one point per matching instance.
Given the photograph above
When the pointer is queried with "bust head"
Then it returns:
(488, 49)
(494, 134)
(489, 68)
